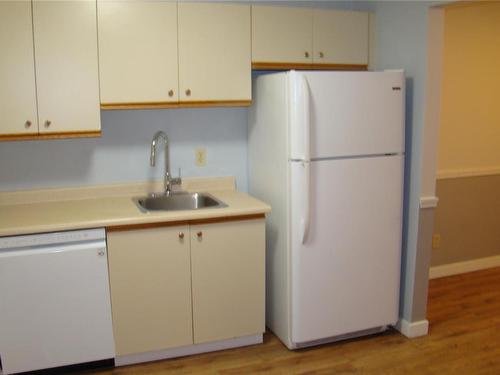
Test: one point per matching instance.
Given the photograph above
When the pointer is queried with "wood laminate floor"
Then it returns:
(464, 315)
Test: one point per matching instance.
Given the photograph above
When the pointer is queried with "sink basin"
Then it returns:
(179, 201)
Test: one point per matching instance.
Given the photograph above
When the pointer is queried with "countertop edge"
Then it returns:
(115, 223)
(142, 218)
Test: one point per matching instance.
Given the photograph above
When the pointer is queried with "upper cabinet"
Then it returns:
(48, 69)
(17, 70)
(302, 38)
(138, 52)
(67, 72)
(214, 52)
(168, 54)
(340, 37)
(57, 70)
(282, 34)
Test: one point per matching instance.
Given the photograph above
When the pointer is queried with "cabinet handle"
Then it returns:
(171, 93)
(321, 54)
(27, 124)
(306, 54)
(188, 92)
(199, 234)
(181, 235)
(47, 123)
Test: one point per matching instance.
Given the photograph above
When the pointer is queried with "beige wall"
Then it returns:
(469, 139)
(468, 185)
(467, 218)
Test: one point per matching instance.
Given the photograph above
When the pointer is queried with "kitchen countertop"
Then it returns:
(108, 211)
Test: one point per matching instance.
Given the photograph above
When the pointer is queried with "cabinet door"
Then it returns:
(340, 37)
(138, 51)
(214, 52)
(66, 66)
(17, 69)
(228, 277)
(149, 271)
(281, 35)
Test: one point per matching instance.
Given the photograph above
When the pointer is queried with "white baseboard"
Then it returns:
(188, 350)
(413, 329)
(464, 267)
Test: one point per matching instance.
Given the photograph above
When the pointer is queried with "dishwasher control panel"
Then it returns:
(66, 237)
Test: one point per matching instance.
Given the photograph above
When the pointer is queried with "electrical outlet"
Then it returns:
(436, 241)
(200, 157)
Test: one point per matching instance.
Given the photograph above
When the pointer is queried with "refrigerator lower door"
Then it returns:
(345, 276)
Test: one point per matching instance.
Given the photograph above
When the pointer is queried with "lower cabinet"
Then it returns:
(228, 276)
(175, 286)
(150, 279)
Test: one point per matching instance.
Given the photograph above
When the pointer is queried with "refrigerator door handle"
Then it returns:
(304, 88)
(306, 218)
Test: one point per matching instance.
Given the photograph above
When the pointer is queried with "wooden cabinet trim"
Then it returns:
(62, 135)
(215, 103)
(300, 66)
(223, 219)
(227, 218)
(160, 105)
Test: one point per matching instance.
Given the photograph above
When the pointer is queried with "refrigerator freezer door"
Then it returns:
(345, 277)
(350, 114)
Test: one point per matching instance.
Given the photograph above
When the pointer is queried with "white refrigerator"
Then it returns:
(326, 150)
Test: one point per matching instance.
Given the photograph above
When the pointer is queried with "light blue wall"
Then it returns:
(401, 42)
(122, 153)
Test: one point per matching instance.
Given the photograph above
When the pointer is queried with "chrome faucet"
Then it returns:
(168, 181)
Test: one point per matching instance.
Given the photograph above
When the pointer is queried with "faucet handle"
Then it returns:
(176, 180)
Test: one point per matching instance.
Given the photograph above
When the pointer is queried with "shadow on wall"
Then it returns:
(407, 174)
(122, 153)
(51, 163)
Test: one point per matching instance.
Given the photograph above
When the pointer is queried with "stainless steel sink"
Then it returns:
(178, 201)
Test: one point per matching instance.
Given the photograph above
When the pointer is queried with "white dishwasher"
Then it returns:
(55, 305)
